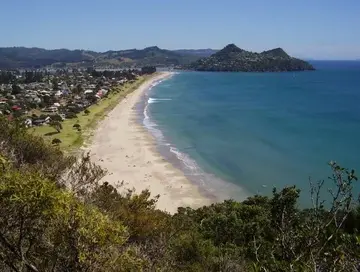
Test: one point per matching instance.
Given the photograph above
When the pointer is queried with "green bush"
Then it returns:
(56, 141)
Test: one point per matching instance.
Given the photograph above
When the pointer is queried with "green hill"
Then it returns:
(234, 59)
(22, 57)
(197, 52)
(277, 52)
(231, 58)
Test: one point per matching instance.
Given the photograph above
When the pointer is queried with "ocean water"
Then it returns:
(238, 134)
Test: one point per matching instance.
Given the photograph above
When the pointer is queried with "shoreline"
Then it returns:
(129, 152)
(212, 186)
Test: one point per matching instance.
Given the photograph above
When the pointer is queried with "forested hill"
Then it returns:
(197, 52)
(234, 59)
(22, 57)
(231, 58)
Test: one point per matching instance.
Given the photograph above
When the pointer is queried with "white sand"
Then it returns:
(128, 151)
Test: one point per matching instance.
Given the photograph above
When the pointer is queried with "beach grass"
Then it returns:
(70, 137)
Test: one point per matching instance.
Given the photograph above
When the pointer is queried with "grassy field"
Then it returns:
(70, 137)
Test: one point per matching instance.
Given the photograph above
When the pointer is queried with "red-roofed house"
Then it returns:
(15, 108)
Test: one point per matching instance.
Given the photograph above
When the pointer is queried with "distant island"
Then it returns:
(234, 59)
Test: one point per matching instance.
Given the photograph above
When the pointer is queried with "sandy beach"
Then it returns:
(128, 151)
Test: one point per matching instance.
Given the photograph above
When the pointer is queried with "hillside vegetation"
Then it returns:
(56, 216)
(234, 59)
(22, 57)
(197, 52)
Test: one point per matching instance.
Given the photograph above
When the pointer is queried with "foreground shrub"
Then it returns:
(42, 226)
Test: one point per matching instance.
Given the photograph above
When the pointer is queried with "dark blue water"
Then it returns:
(259, 130)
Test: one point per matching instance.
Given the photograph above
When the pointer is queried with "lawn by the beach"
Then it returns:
(70, 137)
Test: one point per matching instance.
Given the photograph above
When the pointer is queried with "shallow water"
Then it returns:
(237, 134)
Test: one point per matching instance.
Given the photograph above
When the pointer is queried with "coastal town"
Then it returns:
(47, 98)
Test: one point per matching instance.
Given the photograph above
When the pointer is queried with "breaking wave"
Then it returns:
(155, 100)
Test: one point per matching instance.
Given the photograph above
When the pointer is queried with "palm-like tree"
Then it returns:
(56, 125)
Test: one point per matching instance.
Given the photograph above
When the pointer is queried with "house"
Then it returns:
(101, 93)
(16, 108)
(41, 121)
(74, 108)
(44, 92)
(50, 109)
(38, 122)
(28, 122)
(66, 92)
(37, 100)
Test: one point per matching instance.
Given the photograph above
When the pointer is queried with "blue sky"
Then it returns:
(321, 29)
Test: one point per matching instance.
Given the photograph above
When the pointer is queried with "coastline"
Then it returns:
(129, 152)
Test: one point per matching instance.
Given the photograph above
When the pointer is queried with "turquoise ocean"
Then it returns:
(239, 134)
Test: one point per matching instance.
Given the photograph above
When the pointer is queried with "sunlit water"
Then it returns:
(237, 134)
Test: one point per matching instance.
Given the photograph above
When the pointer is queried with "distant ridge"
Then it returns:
(234, 59)
(277, 52)
(23, 57)
(230, 58)
(197, 52)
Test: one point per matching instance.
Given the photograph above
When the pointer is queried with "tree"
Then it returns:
(15, 89)
(56, 117)
(56, 141)
(71, 115)
(55, 84)
(56, 125)
(77, 126)
(92, 98)
(78, 89)
(45, 228)
(148, 70)
(99, 84)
